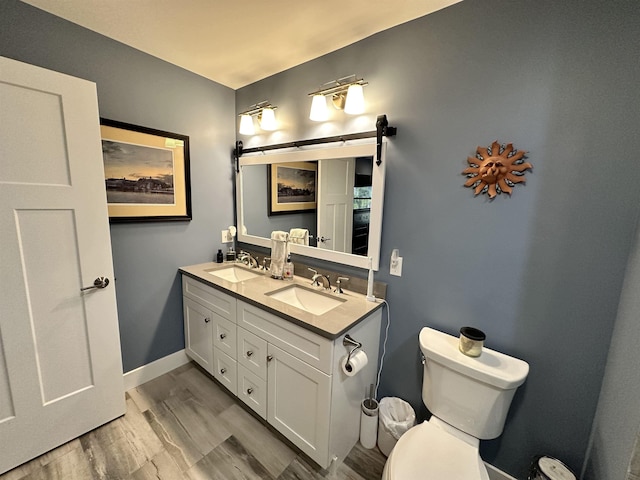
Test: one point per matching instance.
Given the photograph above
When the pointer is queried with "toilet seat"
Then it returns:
(427, 452)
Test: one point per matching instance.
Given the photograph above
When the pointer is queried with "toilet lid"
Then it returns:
(426, 452)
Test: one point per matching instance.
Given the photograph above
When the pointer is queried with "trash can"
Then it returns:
(544, 467)
(395, 417)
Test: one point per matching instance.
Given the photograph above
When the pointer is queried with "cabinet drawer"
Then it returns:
(225, 370)
(252, 353)
(252, 390)
(224, 335)
(299, 342)
(216, 301)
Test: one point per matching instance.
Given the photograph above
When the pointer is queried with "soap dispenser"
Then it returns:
(288, 269)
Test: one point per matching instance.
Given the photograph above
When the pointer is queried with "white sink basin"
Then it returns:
(233, 274)
(306, 299)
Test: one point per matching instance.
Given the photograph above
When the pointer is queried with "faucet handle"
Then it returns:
(314, 279)
(339, 281)
(264, 263)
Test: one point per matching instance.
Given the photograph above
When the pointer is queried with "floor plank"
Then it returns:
(184, 426)
(258, 439)
(229, 461)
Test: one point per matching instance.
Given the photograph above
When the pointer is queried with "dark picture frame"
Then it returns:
(147, 173)
(292, 187)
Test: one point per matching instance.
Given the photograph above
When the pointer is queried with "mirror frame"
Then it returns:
(366, 149)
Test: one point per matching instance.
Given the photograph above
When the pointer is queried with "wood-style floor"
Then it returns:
(182, 425)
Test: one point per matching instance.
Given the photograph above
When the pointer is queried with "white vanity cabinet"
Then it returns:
(210, 330)
(289, 375)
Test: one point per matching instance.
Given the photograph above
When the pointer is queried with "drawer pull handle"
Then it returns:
(223, 336)
(207, 319)
(223, 371)
(249, 391)
(269, 358)
(249, 353)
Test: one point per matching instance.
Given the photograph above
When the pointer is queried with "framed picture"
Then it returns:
(146, 173)
(292, 187)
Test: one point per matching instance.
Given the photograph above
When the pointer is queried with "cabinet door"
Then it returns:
(298, 403)
(197, 334)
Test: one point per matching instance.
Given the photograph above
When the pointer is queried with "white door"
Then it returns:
(335, 204)
(60, 364)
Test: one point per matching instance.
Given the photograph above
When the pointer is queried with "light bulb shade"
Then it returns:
(355, 100)
(319, 112)
(268, 121)
(246, 125)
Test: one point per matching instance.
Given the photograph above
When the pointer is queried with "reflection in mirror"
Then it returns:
(341, 220)
(344, 226)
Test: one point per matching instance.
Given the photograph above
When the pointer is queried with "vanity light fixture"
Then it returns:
(346, 94)
(266, 116)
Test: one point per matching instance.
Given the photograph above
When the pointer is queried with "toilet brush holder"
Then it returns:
(369, 423)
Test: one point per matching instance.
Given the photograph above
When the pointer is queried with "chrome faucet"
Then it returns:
(326, 282)
(319, 278)
(248, 260)
(264, 263)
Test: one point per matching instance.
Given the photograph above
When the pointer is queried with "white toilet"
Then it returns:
(469, 398)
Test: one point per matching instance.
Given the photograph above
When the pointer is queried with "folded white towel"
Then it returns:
(278, 252)
(299, 236)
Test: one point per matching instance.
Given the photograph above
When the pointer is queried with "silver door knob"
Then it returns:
(207, 319)
(223, 336)
(223, 371)
(269, 358)
(249, 353)
(249, 391)
(100, 282)
(323, 239)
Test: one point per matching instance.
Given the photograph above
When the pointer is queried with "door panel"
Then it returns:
(60, 363)
(335, 204)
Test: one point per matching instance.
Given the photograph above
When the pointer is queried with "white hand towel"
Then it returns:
(278, 252)
(299, 236)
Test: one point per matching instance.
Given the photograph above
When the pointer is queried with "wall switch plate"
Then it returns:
(226, 236)
(396, 266)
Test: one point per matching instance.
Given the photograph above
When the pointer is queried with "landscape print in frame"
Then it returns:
(292, 187)
(146, 173)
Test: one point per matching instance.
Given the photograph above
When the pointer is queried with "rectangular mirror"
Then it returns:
(332, 196)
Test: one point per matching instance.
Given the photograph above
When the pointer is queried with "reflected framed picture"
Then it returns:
(292, 187)
(146, 173)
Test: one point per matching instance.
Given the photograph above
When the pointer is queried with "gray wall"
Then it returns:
(541, 271)
(136, 88)
(617, 421)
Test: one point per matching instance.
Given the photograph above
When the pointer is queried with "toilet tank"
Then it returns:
(472, 394)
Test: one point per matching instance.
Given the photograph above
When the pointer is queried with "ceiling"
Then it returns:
(238, 42)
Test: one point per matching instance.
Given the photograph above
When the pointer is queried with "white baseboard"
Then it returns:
(497, 474)
(154, 369)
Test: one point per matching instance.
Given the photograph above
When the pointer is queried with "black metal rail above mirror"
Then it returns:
(382, 130)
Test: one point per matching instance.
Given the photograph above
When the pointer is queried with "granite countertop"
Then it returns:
(331, 324)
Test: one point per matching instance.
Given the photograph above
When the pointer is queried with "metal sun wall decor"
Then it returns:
(496, 169)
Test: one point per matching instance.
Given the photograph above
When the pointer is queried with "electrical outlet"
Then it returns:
(226, 237)
(396, 267)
